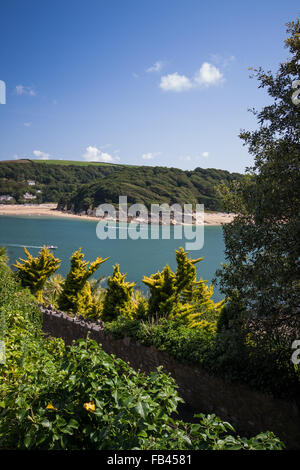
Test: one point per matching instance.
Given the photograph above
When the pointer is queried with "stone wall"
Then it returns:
(249, 411)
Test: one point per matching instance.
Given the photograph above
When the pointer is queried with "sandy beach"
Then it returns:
(210, 218)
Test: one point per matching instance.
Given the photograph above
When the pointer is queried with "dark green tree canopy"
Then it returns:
(263, 242)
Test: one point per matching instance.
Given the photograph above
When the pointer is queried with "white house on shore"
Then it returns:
(5, 197)
(28, 196)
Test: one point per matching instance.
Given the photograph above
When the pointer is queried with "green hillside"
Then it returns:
(80, 186)
(74, 162)
(53, 178)
(148, 185)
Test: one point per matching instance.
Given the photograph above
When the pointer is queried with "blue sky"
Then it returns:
(155, 82)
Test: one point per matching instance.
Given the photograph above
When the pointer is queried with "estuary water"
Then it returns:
(136, 257)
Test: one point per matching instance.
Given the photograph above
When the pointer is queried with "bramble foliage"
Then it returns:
(119, 297)
(34, 272)
(76, 295)
(263, 241)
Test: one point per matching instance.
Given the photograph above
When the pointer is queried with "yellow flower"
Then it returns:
(89, 406)
(50, 407)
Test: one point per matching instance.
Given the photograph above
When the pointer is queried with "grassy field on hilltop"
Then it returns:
(77, 163)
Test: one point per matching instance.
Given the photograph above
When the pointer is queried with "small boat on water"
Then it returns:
(51, 247)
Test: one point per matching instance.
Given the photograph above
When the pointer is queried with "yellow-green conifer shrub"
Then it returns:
(186, 274)
(76, 296)
(119, 297)
(34, 272)
(166, 287)
(204, 312)
(163, 292)
(180, 295)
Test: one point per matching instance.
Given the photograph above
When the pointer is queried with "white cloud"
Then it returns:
(208, 75)
(221, 60)
(175, 82)
(186, 158)
(190, 158)
(105, 146)
(150, 155)
(25, 90)
(93, 154)
(27, 124)
(156, 67)
(41, 155)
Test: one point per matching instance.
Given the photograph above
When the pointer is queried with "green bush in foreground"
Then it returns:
(180, 318)
(76, 295)
(119, 297)
(79, 397)
(178, 294)
(228, 354)
(34, 271)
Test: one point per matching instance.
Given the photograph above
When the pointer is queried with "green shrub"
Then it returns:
(79, 397)
(53, 289)
(179, 294)
(34, 272)
(229, 354)
(173, 336)
(119, 297)
(76, 295)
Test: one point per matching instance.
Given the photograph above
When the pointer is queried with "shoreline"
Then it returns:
(210, 218)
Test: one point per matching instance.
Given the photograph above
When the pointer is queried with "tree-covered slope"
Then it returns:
(149, 185)
(52, 179)
(81, 187)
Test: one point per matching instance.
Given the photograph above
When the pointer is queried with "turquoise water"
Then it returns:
(136, 257)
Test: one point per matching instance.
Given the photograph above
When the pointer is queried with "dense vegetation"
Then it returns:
(79, 397)
(83, 187)
(52, 179)
(178, 316)
(149, 185)
(262, 272)
(173, 295)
